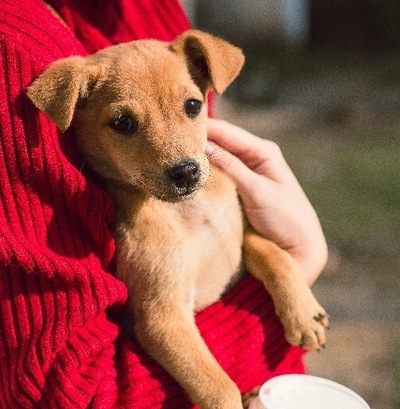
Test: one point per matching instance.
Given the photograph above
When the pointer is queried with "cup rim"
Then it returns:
(265, 398)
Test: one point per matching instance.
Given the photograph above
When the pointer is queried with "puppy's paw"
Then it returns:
(249, 396)
(220, 396)
(305, 323)
(223, 403)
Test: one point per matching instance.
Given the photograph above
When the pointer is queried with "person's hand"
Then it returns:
(273, 200)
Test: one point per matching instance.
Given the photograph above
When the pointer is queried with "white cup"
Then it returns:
(306, 392)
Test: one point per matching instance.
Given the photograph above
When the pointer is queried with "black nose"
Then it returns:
(184, 175)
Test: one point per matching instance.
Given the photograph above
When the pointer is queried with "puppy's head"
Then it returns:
(139, 109)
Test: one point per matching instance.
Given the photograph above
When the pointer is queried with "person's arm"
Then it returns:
(274, 202)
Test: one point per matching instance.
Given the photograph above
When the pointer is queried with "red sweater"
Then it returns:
(60, 339)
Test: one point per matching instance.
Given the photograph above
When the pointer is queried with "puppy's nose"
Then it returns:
(186, 174)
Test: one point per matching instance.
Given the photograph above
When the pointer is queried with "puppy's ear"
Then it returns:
(213, 63)
(58, 89)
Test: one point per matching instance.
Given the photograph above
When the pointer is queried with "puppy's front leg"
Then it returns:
(304, 320)
(168, 332)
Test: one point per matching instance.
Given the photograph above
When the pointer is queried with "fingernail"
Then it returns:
(209, 149)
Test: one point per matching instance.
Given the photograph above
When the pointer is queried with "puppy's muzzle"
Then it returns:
(185, 176)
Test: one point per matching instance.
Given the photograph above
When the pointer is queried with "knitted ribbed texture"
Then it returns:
(60, 342)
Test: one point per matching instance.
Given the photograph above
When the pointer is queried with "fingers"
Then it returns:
(243, 176)
(232, 138)
(262, 156)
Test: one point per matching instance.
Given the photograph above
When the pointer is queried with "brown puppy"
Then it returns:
(139, 114)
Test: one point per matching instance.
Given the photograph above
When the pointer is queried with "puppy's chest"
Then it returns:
(194, 246)
(220, 242)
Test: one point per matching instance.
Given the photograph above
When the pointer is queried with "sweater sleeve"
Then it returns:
(55, 256)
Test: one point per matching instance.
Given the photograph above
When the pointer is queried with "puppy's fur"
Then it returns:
(178, 225)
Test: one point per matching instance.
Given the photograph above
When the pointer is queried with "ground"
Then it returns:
(338, 123)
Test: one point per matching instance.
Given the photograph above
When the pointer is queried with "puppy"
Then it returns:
(139, 116)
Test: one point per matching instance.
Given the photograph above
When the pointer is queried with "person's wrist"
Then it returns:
(312, 259)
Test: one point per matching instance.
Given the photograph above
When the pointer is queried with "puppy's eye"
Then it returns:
(125, 125)
(192, 107)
